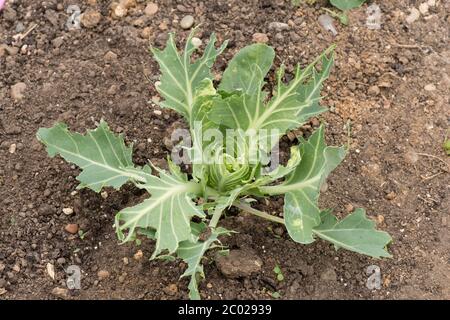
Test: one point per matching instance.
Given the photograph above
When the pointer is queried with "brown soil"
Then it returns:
(72, 81)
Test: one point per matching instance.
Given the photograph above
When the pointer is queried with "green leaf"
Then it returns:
(446, 146)
(192, 253)
(168, 211)
(180, 78)
(302, 186)
(355, 233)
(290, 107)
(240, 75)
(102, 156)
(347, 4)
(276, 295)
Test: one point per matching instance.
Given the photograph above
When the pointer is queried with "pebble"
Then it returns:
(12, 148)
(278, 26)
(61, 261)
(260, 37)
(238, 263)
(90, 18)
(373, 91)
(413, 16)
(19, 27)
(196, 42)
(151, 9)
(16, 268)
(138, 255)
(431, 3)
(58, 42)
(103, 274)
(127, 4)
(126, 261)
(430, 87)
(146, 32)
(157, 112)
(104, 194)
(187, 22)
(67, 211)
(61, 293)
(119, 11)
(71, 228)
(423, 8)
(51, 270)
(349, 207)
(18, 90)
(391, 195)
(328, 275)
(327, 23)
(2, 267)
(110, 56)
(171, 289)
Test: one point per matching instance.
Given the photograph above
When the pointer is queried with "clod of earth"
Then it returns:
(238, 263)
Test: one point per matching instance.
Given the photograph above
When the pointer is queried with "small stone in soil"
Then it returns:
(151, 9)
(71, 228)
(260, 37)
(61, 293)
(430, 87)
(103, 274)
(373, 91)
(12, 148)
(239, 263)
(349, 207)
(110, 56)
(67, 211)
(423, 8)
(171, 289)
(18, 91)
(146, 33)
(119, 11)
(391, 195)
(138, 255)
(196, 42)
(328, 275)
(413, 16)
(90, 18)
(278, 26)
(187, 22)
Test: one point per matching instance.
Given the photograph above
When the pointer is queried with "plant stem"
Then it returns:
(215, 218)
(261, 214)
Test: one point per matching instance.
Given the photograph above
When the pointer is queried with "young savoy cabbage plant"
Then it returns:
(183, 210)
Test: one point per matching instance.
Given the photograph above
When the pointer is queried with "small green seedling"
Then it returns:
(183, 210)
(344, 6)
(278, 273)
(81, 234)
(446, 145)
(276, 295)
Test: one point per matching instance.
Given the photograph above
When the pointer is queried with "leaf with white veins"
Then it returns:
(302, 186)
(192, 254)
(168, 211)
(180, 78)
(102, 155)
(355, 233)
(290, 107)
